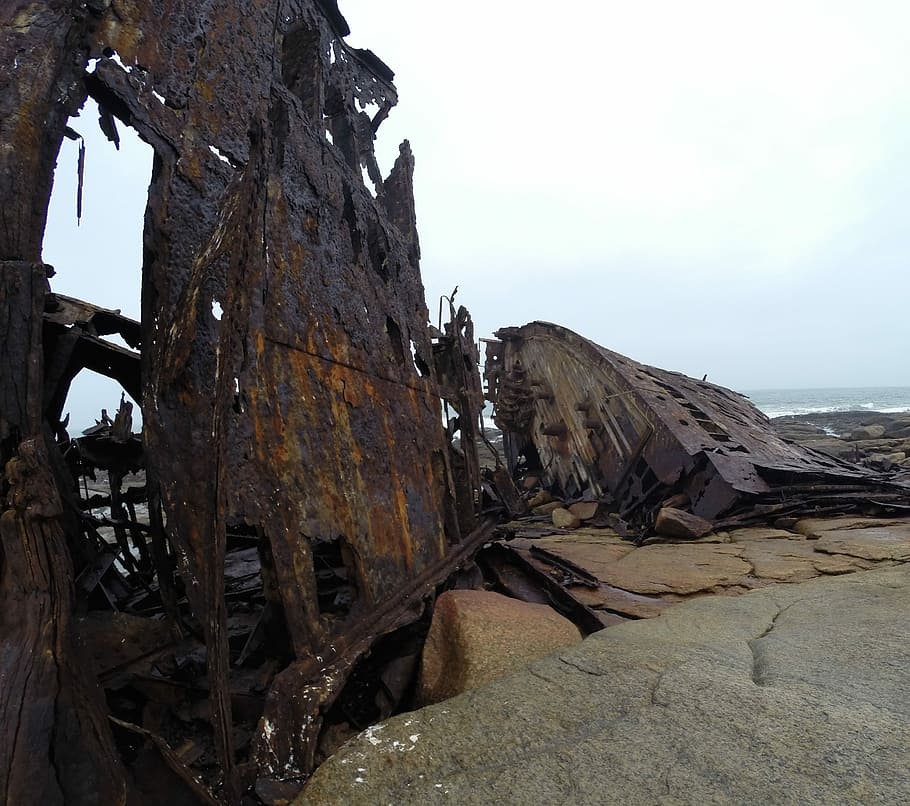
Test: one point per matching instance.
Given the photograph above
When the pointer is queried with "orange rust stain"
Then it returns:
(402, 503)
(206, 91)
(22, 22)
(124, 37)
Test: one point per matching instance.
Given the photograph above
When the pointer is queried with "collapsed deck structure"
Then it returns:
(597, 425)
(288, 384)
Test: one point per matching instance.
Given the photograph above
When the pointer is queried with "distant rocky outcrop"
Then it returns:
(872, 439)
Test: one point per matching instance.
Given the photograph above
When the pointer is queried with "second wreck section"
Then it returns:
(596, 425)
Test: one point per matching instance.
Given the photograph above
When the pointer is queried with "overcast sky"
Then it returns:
(712, 186)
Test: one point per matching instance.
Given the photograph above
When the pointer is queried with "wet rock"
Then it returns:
(684, 525)
(479, 636)
(564, 519)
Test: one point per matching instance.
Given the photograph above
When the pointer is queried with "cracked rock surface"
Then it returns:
(790, 694)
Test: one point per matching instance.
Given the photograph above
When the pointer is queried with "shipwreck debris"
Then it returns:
(662, 450)
(292, 498)
(202, 611)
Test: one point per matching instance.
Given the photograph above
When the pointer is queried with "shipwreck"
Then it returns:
(201, 612)
(291, 395)
(596, 425)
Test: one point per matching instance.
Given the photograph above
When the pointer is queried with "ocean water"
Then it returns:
(782, 402)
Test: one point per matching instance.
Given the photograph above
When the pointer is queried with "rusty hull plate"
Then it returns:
(282, 311)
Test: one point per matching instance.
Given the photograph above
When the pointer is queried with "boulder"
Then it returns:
(546, 509)
(677, 523)
(835, 447)
(791, 694)
(564, 519)
(584, 510)
(479, 636)
(539, 499)
(900, 426)
(867, 432)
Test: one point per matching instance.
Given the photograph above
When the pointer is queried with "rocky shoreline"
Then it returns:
(873, 439)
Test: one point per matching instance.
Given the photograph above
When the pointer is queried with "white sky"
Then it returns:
(712, 186)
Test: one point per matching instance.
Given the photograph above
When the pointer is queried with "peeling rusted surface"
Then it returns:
(288, 384)
(598, 425)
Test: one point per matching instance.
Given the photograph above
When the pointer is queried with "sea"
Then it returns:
(784, 402)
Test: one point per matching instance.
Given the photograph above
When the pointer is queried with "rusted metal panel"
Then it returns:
(598, 424)
(288, 383)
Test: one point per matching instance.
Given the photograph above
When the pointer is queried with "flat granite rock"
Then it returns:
(787, 695)
(591, 550)
(778, 555)
(633, 605)
(840, 564)
(891, 543)
(814, 528)
(680, 568)
(865, 538)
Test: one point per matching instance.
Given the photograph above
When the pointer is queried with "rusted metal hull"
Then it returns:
(599, 425)
(287, 378)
